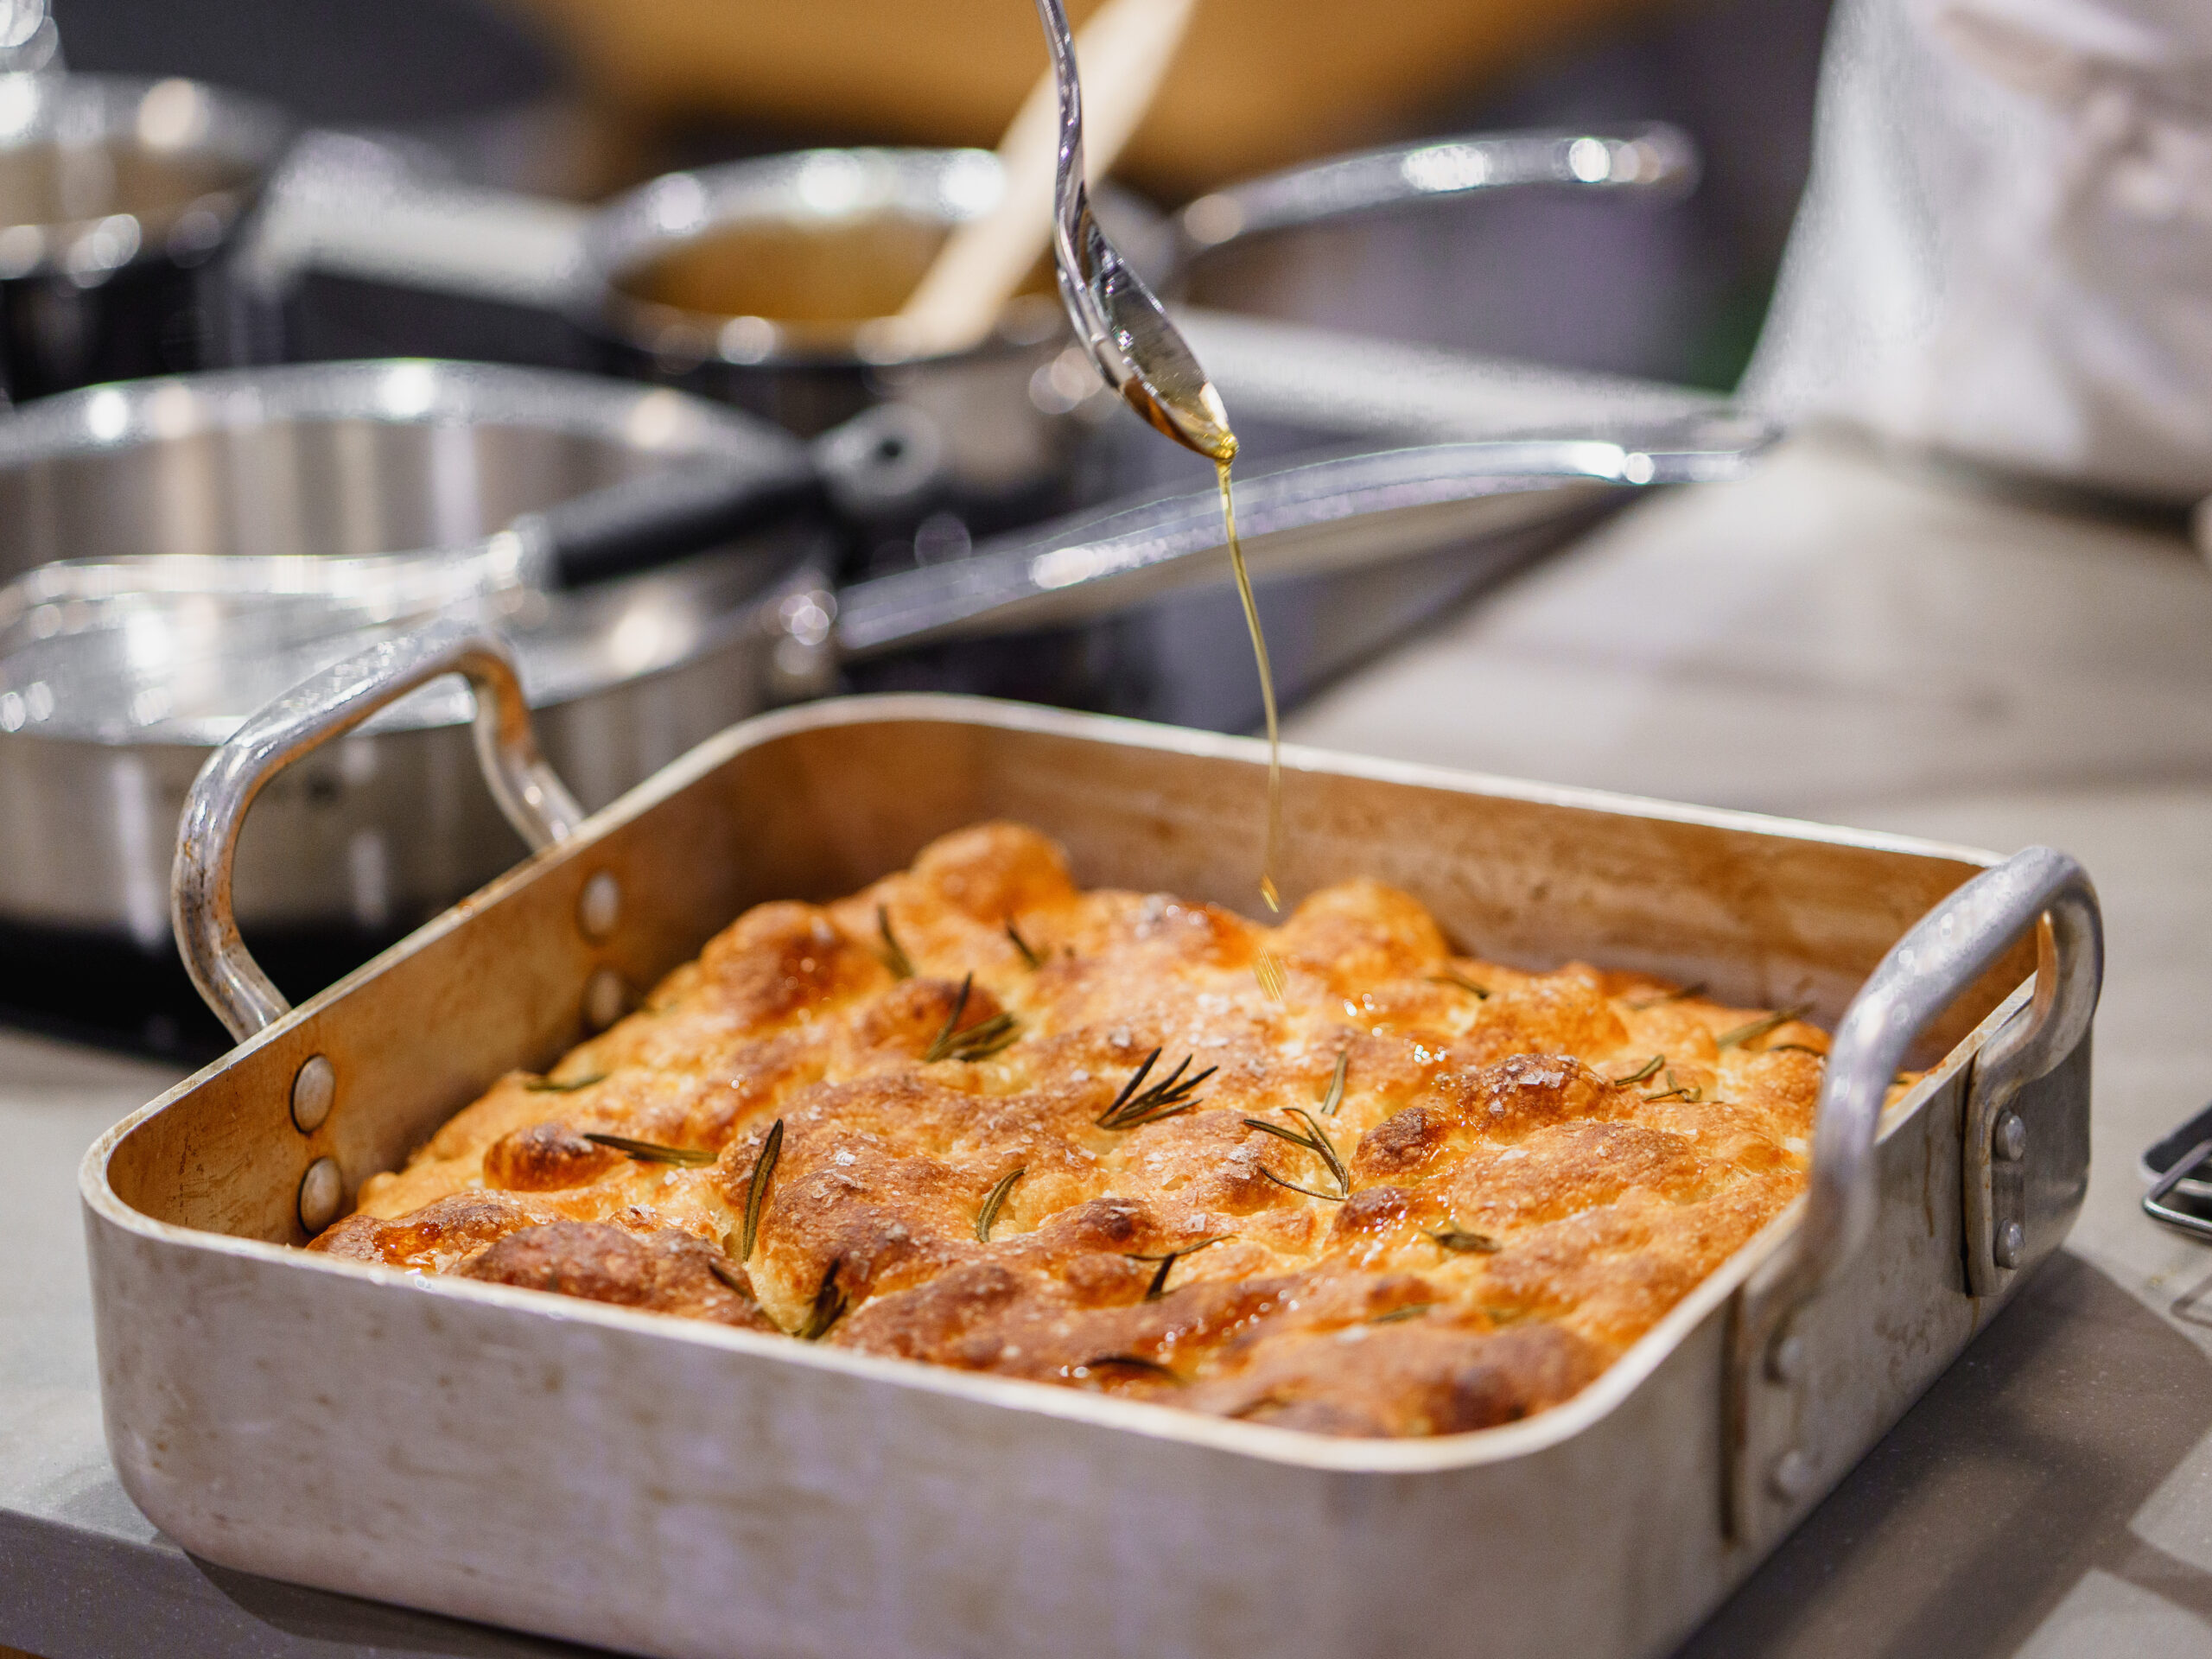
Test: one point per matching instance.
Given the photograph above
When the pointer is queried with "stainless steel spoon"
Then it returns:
(1142, 355)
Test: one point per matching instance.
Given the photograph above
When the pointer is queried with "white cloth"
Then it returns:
(2006, 246)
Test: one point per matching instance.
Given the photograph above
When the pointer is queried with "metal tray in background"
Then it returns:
(667, 1487)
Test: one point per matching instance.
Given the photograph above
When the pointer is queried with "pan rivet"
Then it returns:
(1787, 1361)
(2011, 1238)
(1792, 1476)
(599, 905)
(2010, 1143)
(314, 1086)
(604, 997)
(320, 1190)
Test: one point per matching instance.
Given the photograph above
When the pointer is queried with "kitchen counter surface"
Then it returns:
(1838, 637)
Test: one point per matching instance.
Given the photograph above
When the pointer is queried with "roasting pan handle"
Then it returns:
(326, 706)
(1774, 1474)
(1924, 973)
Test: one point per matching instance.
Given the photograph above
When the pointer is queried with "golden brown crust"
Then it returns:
(1520, 1173)
(665, 1271)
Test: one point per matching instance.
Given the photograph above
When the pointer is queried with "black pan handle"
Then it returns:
(640, 523)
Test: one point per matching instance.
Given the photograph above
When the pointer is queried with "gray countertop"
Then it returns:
(1840, 637)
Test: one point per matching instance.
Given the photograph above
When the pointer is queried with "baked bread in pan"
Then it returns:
(975, 1116)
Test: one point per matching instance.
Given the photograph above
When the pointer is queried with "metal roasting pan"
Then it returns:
(672, 1488)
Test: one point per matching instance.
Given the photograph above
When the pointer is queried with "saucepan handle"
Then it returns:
(1652, 160)
(1293, 521)
(1778, 1464)
(324, 707)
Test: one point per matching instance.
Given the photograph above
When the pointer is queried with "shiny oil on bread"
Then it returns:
(975, 1116)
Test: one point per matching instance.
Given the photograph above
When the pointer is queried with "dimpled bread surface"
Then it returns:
(1520, 1173)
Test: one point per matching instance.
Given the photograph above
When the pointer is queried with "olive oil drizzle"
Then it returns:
(1199, 422)
(1274, 854)
(1266, 967)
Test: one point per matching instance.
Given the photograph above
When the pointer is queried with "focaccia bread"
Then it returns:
(975, 1116)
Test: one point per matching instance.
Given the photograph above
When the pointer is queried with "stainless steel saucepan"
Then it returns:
(101, 732)
(767, 284)
(118, 199)
(108, 705)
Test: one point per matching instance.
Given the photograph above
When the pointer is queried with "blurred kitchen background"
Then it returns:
(577, 99)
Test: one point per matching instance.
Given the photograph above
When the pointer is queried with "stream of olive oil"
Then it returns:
(1267, 968)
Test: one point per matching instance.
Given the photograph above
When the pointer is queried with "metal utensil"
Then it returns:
(2174, 1165)
(1143, 356)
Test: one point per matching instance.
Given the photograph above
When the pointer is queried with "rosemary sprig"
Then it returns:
(1410, 1311)
(995, 1201)
(980, 1041)
(652, 1152)
(1682, 995)
(1460, 1242)
(1801, 1048)
(1030, 954)
(756, 1190)
(1137, 1105)
(1158, 1287)
(1134, 1362)
(829, 1305)
(1453, 976)
(1650, 1070)
(1757, 1028)
(547, 1086)
(1335, 1097)
(1316, 1142)
(894, 954)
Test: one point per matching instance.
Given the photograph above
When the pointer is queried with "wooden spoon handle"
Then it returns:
(1123, 52)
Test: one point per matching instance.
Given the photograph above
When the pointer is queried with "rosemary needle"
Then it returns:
(1158, 1287)
(651, 1151)
(1132, 1362)
(829, 1305)
(1759, 1027)
(1335, 1097)
(940, 1045)
(894, 954)
(1410, 1311)
(1650, 1070)
(1326, 1197)
(1461, 1242)
(1029, 952)
(1681, 995)
(980, 1041)
(568, 1086)
(987, 1218)
(729, 1273)
(1453, 976)
(1316, 1141)
(756, 1190)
